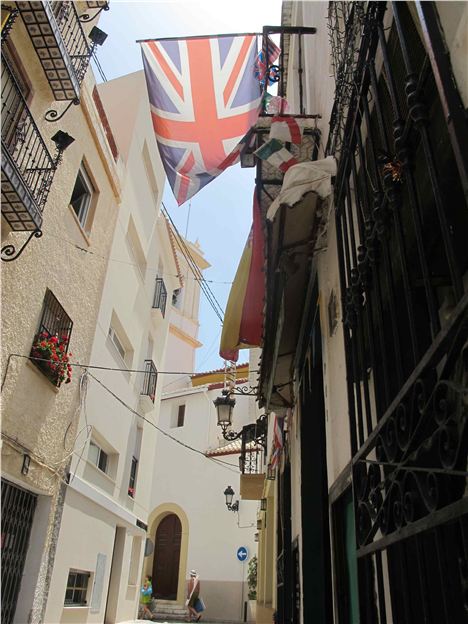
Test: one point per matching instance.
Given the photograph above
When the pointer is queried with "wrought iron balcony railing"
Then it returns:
(27, 166)
(150, 380)
(160, 295)
(61, 44)
(252, 457)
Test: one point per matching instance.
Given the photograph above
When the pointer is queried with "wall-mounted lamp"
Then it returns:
(229, 494)
(256, 537)
(259, 524)
(97, 36)
(25, 466)
(271, 472)
(263, 504)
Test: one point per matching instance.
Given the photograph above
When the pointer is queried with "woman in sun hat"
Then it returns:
(193, 591)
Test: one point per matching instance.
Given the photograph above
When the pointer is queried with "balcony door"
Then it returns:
(167, 558)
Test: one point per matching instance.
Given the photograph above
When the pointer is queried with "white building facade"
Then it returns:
(96, 577)
(189, 524)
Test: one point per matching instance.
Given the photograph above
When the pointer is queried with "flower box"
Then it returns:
(49, 354)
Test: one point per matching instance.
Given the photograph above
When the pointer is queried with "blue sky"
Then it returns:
(221, 213)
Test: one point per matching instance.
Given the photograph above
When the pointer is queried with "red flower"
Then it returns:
(54, 340)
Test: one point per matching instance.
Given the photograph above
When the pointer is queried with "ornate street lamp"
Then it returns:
(224, 406)
(229, 494)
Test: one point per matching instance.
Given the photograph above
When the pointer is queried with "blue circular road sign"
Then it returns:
(242, 553)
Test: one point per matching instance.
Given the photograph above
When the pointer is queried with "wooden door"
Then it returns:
(166, 558)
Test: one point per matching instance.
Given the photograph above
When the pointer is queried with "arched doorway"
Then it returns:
(167, 558)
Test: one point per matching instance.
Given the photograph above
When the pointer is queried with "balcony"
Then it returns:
(61, 44)
(252, 459)
(160, 296)
(27, 166)
(148, 390)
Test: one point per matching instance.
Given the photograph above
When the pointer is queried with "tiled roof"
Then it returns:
(220, 384)
(232, 448)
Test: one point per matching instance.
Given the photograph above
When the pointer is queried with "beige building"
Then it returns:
(68, 203)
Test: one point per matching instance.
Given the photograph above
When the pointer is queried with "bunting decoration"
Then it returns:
(243, 320)
(204, 97)
(274, 152)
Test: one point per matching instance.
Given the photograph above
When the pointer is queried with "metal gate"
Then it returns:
(18, 508)
(401, 216)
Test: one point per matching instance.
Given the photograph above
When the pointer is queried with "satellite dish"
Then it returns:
(149, 547)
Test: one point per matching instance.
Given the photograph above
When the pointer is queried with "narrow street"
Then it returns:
(234, 311)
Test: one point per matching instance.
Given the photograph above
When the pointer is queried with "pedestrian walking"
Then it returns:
(146, 597)
(193, 597)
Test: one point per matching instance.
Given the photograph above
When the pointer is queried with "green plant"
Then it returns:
(252, 578)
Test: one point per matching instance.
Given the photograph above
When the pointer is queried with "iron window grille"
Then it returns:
(150, 379)
(54, 324)
(82, 195)
(18, 507)
(28, 168)
(401, 219)
(77, 588)
(133, 476)
(160, 295)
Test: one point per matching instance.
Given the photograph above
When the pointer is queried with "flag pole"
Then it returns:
(251, 34)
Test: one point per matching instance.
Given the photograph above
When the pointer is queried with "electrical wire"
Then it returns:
(162, 431)
(194, 267)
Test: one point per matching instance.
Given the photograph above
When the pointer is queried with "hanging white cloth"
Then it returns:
(306, 177)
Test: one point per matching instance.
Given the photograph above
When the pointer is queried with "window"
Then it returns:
(181, 416)
(133, 476)
(177, 298)
(117, 342)
(77, 588)
(149, 170)
(53, 333)
(98, 457)
(134, 561)
(82, 194)
(136, 249)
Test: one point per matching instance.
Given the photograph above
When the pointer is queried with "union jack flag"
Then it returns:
(204, 97)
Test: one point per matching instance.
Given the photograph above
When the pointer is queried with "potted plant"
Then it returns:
(53, 359)
(252, 583)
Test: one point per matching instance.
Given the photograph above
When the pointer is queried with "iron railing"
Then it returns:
(253, 438)
(401, 219)
(8, 21)
(150, 380)
(18, 508)
(73, 36)
(160, 295)
(28, 166)
(61, 44)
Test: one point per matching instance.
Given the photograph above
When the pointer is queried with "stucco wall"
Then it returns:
(38, 418)
(196, 485)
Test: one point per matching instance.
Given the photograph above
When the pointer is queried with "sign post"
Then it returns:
(242, 554)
